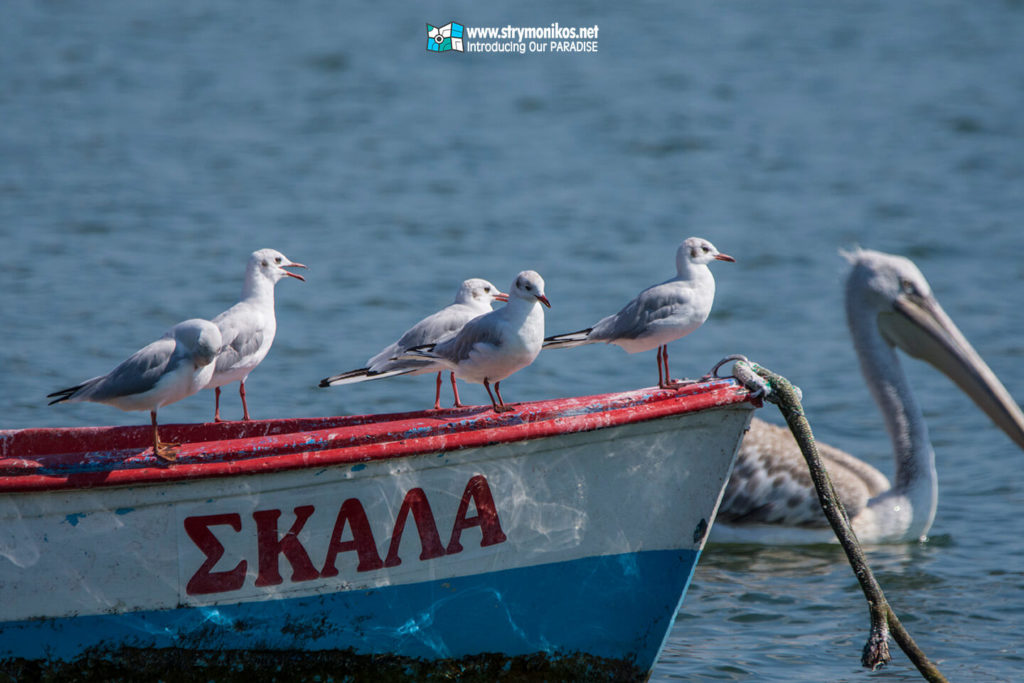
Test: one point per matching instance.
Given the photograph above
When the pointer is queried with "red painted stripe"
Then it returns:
(87, 457)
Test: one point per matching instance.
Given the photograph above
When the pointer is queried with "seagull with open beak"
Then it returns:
(248, 327)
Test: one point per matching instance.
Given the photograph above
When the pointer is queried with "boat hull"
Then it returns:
(573, 550)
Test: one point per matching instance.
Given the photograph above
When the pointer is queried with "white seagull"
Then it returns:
(249, 326)
(473, 299)
(492, 346)
(173, 367)
(769, 497)
(661, 313)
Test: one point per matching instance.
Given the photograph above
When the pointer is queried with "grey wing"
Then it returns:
(433, 329)
(770, 483)
(477, 331)
(635, 319)
(135, 375)
(242, 337)
(438, 327)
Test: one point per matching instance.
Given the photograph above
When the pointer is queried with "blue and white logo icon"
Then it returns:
(445, 38)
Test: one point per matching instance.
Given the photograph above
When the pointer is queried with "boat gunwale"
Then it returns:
(348, 441)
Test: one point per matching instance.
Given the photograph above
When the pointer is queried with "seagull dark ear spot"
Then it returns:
(264, 262)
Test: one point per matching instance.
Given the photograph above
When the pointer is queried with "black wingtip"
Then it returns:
(563, 336)
(63, 394)
(328, 381)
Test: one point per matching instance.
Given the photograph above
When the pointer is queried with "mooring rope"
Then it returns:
(884, 622)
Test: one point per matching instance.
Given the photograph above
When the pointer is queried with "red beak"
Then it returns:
(501, 296)
(544, 300)
(295, 275)
(724, 257)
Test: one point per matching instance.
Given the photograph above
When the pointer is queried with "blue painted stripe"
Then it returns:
(617, 607)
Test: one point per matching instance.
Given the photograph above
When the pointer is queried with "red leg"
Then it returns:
(487, 385)
(501, 407)
(669, 382)
(455, 390)
(164, 451)
(437, 393)
(661, 381)
(216, 410)
(245, 408)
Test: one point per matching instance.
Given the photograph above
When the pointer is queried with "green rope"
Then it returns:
(883, 620)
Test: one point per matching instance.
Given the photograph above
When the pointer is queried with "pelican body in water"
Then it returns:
(770, 498)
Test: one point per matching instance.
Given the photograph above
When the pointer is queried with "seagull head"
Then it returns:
(698, 251)
(479, 292)
(529, 285)
(271, 264)
(200, 338)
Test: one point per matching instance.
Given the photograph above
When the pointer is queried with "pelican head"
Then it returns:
(909, 317)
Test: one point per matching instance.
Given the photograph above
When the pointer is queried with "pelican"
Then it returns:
(770, 499)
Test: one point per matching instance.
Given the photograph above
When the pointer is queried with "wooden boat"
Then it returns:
(557, 539)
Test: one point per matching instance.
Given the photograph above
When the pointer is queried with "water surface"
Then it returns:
(146, 149)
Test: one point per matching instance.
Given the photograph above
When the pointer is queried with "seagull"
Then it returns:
(492, 346)
(769, 498)
(173, 367)
(249, 326)
(661, 313)
(473, 299)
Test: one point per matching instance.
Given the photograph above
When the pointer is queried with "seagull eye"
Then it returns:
(487, 290)
(277, 259)
(705, 249)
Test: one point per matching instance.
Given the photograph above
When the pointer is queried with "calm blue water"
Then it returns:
(146, 150)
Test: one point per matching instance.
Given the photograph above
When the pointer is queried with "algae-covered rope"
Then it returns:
(884, 621)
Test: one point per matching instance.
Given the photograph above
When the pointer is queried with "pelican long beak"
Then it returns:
(920, 327)
(294, 275)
